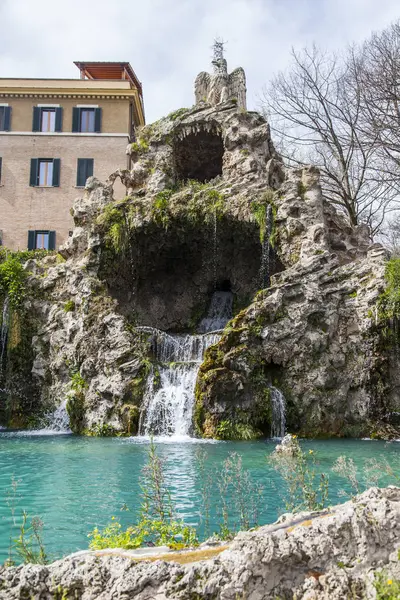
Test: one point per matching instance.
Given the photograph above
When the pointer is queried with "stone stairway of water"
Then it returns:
(278, 421)
(168, 406)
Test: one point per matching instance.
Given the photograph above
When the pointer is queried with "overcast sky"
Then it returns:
(168, 42)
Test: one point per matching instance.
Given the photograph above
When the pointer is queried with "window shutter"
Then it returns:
(58, 124)
(52, 240)
(89, 167)
(0, 168)
(56, 172)
(34, 171)
(7, 118)
(80, 172)
(36, 118)
(97, 120)
(84, 170)
(31, 240)
(76, 118)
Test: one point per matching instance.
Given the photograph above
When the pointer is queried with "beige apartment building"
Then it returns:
(54, 134)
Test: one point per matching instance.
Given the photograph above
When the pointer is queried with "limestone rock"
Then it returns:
(204, 185)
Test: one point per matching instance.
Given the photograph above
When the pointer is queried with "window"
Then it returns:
(47, 119)
(45, 172)
(84, 170)
(5, 118)
(41, 240)
(86, 119)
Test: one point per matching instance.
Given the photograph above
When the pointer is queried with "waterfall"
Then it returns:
(215, 248)
(278, 424)
(168, 405)
(4, 331)
(265, 269)
(58, 420)
(219, 313)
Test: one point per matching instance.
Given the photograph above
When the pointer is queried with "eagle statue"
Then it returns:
(220, 86)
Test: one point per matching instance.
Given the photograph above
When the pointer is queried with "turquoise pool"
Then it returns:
(75, 483)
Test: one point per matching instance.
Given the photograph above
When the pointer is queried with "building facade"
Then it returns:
(54, 134)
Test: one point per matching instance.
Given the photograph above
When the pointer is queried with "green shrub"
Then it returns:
(12, 280)
(157, 523)
(113, 222)
(141, 146)
(104, 430)
(29, 544)
(228, 430)
(389, 300)
(386, 587)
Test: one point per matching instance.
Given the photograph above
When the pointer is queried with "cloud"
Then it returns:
(169, 41)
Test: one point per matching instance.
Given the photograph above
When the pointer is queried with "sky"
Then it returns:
(168, 42)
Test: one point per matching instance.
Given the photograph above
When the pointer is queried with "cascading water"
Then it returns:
(4, 331)
(278, 422)
(265, 269)
(169, 408)
(219, 312)
(59, 419)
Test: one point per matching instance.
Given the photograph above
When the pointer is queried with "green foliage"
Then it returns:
(113, 222)
(141, 146)
(24, 255)
(386, 587)
(78, 383)
(239, 498)
(215, 202)
(229, 430)
(12, 280)
(389, 300)
(160, 207)
(69, 306)
(205, 202)
(177, 113)
(157, 523)
(174, 534)
(305, 489)
(103, 430)
(76, 399)
(29, 545)
(259, 209)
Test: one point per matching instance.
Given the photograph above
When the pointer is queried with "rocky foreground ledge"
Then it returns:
(333, 554)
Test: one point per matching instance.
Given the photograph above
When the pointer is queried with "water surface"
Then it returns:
(76, 483)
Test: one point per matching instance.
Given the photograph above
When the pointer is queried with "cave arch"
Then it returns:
(199, 156)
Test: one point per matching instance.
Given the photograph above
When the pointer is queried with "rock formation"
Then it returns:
(211, 206)
(335, 554)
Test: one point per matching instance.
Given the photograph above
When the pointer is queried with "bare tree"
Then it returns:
(315, 110)
(378, 73)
